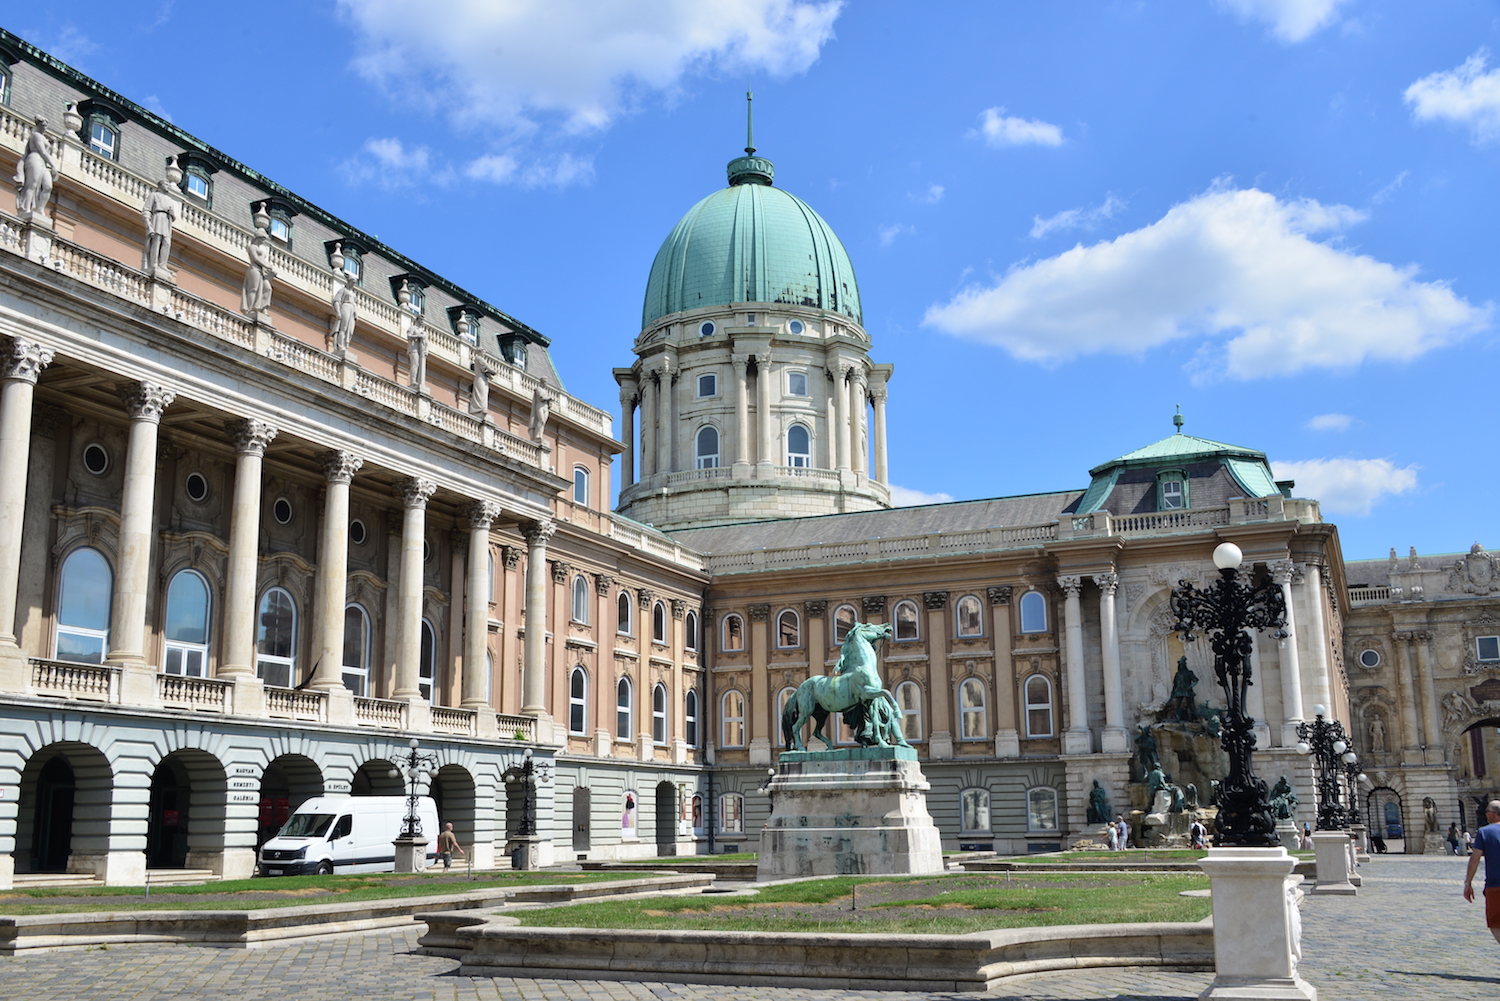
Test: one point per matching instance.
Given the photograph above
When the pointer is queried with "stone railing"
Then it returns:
(201, 694)
(648, 542)
(693, 475)
(385, 713)
(516, 727)
(462, 722)
(101, 272)
(293, 703)
(1359, 596)
(86, 682)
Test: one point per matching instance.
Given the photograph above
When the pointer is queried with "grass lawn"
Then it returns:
(283, 891)
(949, 905)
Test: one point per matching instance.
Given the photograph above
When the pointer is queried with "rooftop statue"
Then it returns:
(345, 314)
(35, 174)
(255, 293)
(161, 209)
(853, 689)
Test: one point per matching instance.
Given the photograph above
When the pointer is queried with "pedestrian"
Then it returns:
(447, 845)
(1305, 843)
(1487, 847)
(1122, 832)
(1468, 842)
(1198, 834)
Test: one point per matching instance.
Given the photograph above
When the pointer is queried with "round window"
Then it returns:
(707, 329)
(196, 487)
(796, 327)
(281, 510)
(96, 459)
(357, 533)
(1370, 659)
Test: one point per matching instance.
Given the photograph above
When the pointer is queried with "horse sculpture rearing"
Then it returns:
(853, 689)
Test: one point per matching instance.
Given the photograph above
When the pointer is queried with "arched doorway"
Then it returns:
(185, 818)
(453, 792)
(1386, 817)
(52, 832)
(287, 783)
(63, 814)
(666, 818)
(374, 778)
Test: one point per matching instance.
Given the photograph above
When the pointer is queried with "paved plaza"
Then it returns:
(1408, 934)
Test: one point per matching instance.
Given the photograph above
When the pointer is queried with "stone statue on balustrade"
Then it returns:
(541, 409)
(255, 294)
(854, 689)
(1184, 693)
(1283, 800)
(479, 396)
(416, 357)
(1099, 809)
(345, 313)
(161, 210)
(36, 172)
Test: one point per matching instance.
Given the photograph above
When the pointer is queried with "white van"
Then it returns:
(345, 834)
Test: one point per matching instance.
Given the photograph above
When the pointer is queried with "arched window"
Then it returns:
(732, 813)
(973, 724)
(1033, 612)
(788, 630)
(186, 629)
(489, 594)
(659, 623)
(623, 707)
(1041, 809)
(909, 698)
(690, 717)
(578, 700)
(690, 631)
(906, 621)
(733, 638)
(1038, 692)
(580, 486)
(974, 811)
(659, 715)
(778, 738)
(624, 605)
(580, 599)
(732, 719)
(276, 638)
(798, 446)
(356, 666)
(427, 663)
(707, 447)
(844, 618)
(83, 599)
(970, 614)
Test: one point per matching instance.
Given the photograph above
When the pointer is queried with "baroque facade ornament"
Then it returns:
(538, 532)
(934, 600)
(340, 467)
(1476, 573)
(815, 609)
(873, 604)
(645, 597)
(345, 315)
(251, 436)
(35, 174)
(561, 571)
(679, 609)
(510, 557)
(1107, 582)
(1071, 584)
(145, 401)
(24, 360)
(603, 584)
(1000, 594)
(759, 613)
(415, 492)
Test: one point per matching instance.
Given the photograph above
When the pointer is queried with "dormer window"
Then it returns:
(466, 323)
(1171, 491)
(104, 137)
(196, 185)
(513, 349)
(415, 287)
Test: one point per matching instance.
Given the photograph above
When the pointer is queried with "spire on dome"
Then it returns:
(749, 123)
(750, 169)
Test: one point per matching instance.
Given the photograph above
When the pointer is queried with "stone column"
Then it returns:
(1282, 572)
(1077, 739)
(250, 441)
(741, 415)
(858, 396)
(1431, 717)
(332, 587)
(627, 434)
(1007, 733)
(666, 429)
(534, 658)
(1318, 690)
(767, 457)
(840, 418)
(474, 690)
(940, 741)
(648, 425)
(20, 366)
(144, 402)
(882, 467)
(758, 699)
(1115, 737)
(1412, 737)
(414, 493)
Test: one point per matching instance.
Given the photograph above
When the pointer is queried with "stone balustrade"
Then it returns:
(292, 703)
(210, 695)
(386, 713)
(87, 682)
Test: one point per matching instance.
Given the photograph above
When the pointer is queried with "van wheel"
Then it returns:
(325, 868)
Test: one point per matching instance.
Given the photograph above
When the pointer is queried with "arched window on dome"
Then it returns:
(798, 447)
(707, 447)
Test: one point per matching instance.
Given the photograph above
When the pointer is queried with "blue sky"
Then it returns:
(1066, 219)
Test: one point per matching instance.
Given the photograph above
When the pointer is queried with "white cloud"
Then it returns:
(1347, 486)
(888, 234)
(932, 195)
(1466, 95)
(68, 44)
(1330, 422)
(578, 62)
(1290, 20)
(153, 103)
(904, 497)
(1085, 218)
(392, 164)
(999, 129)
(1388, 192)
(1235, 268)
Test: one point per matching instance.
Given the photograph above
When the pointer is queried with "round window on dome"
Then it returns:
(1370, 659)
(707, 329)
(281, 510)
(196, 487)
(796, 327)
(357, 533)
(96, 459)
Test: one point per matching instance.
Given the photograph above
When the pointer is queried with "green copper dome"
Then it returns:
(751, 242)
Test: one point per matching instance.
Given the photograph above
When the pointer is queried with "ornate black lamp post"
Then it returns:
(1355, 776)
(413, 766)
(524, 775)
(1224, 613)
(1326, 741)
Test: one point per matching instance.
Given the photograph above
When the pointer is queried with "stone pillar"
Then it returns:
(1007, 732)
(1282, 572)
(1077, 739)
(741, 415)
(1257, 926)
(882, 467)
(332, 587)
(858, 454)
(474, 690)
(1412, 737)
(940, 741)
(1431, 717)
(627, 435)
(20, 366)
(144, 402)
(648, 425)
(758, 699)
(766, 458)
(666, 428)
(1115, 737)
(841, 418)
(238, 658)
(534, 660)
(414, 494)
(1332, 848)
(1319, 689)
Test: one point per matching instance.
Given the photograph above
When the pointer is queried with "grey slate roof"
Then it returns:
(956, 516)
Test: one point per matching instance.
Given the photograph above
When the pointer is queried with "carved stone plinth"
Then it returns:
(411, 854)
(525, 852)
(1332, 849)
(1257, 925)
(855, 810)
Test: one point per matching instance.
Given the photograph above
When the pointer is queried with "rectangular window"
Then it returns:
(708, 385)
(1489, 648)
(102, 139)
(197, 186)
(280, 229)
(1171, 495)
(796, 384)
(732, 813)
(1041, 810)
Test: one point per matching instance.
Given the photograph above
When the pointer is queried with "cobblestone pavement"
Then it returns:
(1408, 934)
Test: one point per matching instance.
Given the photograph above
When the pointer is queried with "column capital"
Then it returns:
(251, 436)
(23, 360)
(644, 597)
(603, 584)
(878, 392)
(145, 401)
(759, 612)
(999, 594)
(340, 467)
(1071, 584)
(538, 532)
(1107, 582)
(740, 363)
(1284, 572)
(873, 604)
(815, 609)
(510, 557)
(935, 600)
(679, 609)
(628, 396)
(561, 571)
(481, 514)
(415, 492)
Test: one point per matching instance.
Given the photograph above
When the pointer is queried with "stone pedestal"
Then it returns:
(411, 854)
(7, 871)
(847, 811)
(1289, 835)
(122, 868)
(1332, 849)
(1257, 926)
(525, 852)
(1361, 835)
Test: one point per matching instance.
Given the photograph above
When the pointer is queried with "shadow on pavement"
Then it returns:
(1446, 976)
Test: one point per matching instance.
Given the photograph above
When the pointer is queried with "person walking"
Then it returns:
(447, 845)
(1452, 838)
(1122, 833)
(1305, 843)
(1487, 847)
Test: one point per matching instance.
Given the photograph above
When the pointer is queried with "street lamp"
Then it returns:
(413, 766)
(1225, 612)
(1328, 744)
(524, 775)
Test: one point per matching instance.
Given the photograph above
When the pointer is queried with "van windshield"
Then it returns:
(307, 825)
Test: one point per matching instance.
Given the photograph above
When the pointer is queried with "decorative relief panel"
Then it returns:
(1476, 573)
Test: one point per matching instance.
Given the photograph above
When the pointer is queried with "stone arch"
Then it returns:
(288, 781)
(187, 813)
(453, 790)
(666, 817)
(373, 778)
(64, 812)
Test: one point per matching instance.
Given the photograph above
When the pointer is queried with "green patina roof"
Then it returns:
(1178, 446)
(1249, 467)
(751, 242)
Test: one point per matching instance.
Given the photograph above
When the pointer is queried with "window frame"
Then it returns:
(796, 627)
(83, 632)
(1479, 649)
(275, 660)
(724, 631)
(714, 382)
(729, 719)
(731, 813)
(427, 661)
(362, 673)
(913, 734)
(1032, 796)
(185, 650)
(1028, 706)
(791, 389)
(836, 639)
(623, 604)
(968, 714)
(1378, 658)
(578, 701)
(958, 618)
(778, 706)
(624, 709)
(982, 799)
(798, 460)
(579, 606)
(1179, 478)
(690, 631)
(659, 636)
(110, 124)
(701, 458)
(659, 732)
(1040, 602)
(581, 485)
(916, 622)
(690, 717)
